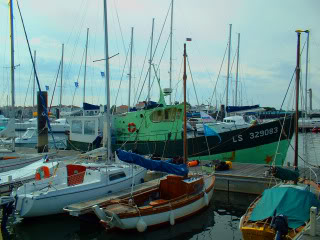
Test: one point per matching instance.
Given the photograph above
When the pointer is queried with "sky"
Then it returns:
(267, 52)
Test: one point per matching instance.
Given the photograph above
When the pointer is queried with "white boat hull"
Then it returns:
(30, 205)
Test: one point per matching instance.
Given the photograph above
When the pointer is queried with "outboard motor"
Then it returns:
(280, 225)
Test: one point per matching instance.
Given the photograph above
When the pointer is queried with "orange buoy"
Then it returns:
(42, 172)
(193, 163)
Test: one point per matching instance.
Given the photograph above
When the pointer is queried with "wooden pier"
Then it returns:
(242, 177)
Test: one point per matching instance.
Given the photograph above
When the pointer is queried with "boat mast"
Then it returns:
(237, 74)
(34, 81)
(185, 149)
(295, 164)
(228, 69)
(85, 70)
(61, 78)
(150, 60)
(307, 61)
(130, 69)
(12, 67)
(171, 49)
(107, 86)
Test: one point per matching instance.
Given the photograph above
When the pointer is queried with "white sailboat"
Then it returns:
(71, 183)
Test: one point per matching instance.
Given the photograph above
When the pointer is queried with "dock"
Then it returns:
(82, 208)
(250, 178)
(306, 234)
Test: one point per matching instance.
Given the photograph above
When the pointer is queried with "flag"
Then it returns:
(102, 74)
(47, 88)
(210, 132)
(76, 84)
(189, 39)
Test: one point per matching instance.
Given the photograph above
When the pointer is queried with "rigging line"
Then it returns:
(178, 77)
(215, 87)
(68, 69)
(154, 77)
(194, 88)
(123, 43)
(84, 51)
(195, 92)
(294, 72)
(155, 50)
(124, 67)
(38, 83)
(76, 43)
(25, 99)
(54, 89)
(144, 61)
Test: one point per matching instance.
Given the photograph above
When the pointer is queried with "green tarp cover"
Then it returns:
(289, 201)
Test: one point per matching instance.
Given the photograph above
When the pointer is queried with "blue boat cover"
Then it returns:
(155, 165)
(242, 108)
(88, 106)
(291, 201)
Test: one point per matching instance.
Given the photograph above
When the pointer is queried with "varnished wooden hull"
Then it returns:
(160, 212)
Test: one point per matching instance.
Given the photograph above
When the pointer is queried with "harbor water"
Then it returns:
(219, 221)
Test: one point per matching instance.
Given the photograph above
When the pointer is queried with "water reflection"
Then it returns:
(219, 220)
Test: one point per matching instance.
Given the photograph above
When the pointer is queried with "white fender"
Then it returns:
(206, 198)
(171, 218)
(241, 222)
(141, 225)
(99, 212)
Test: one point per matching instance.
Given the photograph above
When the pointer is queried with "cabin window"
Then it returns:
(76, 126)
(89, 127)
(116, 176)
(157, 116)
(178, 113)
(170, 114)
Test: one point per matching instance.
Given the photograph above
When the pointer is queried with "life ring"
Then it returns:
(132, 127)
(42, 172)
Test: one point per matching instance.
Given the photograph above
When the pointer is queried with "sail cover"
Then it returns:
(155, 165)
(231, 109)
(289, 201)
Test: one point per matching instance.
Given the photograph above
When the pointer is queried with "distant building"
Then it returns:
(122, 109)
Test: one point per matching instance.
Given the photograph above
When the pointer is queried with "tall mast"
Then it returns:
(237, 74)
(297, 101)
(61, 77)
(34, 80)
(107, 86)
(307, 61)
(150, 60)
(185, 149)
(171, 36)
(85, 70)
(12, 67)
(130, 69)
(228, 68)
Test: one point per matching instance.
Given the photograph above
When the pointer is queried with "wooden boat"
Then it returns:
(283, 212)
(174, 199)
(291, 203)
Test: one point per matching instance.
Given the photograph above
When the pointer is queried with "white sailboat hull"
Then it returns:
(53, 202)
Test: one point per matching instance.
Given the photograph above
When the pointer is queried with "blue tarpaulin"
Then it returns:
(154, 165)
(289, 201)
(88, 106)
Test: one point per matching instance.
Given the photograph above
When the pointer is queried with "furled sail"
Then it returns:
(155, 165)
